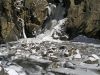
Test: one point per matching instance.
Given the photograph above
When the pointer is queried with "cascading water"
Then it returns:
(54, 23)
(53, 26)
(23, 28)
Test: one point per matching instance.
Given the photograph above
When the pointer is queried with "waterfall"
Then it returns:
(23, 27)
(53, 27)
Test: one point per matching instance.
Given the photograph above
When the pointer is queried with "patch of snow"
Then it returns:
(12, 72)
(95, 56)
(77, 55)
(15, 70)
(92, 58)
(49, 38)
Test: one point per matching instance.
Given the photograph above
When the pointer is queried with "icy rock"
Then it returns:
(93, 59)
(54, 58)
(50, 73)
(15, 70)
(95, 56)
(51, 55)
(68, 64)
(44, 53)
(12, 72)
(13, 47)
(62, 71)
(67, 71)
(33, 51)
(18, 52)
(66, 54)
(38, 59)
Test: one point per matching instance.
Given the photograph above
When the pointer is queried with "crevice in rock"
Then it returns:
(67, 6)
(77, 2)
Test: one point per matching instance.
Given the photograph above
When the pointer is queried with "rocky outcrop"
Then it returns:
(32, 11)
(84, 18)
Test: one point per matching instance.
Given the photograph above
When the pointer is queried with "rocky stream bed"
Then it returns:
(49, 58)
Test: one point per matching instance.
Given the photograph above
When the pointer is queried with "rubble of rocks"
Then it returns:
(49, 58)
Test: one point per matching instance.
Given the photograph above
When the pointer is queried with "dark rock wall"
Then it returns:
(31, 12)
(84, 18)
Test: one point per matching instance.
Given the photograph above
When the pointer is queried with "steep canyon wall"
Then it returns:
(83, 17)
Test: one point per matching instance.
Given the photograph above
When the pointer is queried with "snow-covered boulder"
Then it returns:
(93, 59)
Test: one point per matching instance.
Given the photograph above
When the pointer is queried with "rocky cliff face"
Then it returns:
(29, 10)
(84, 17)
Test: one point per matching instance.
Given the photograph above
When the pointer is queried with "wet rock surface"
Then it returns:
(49, 58)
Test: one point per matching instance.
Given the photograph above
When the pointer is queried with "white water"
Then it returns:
(23, 28)
(54, 26)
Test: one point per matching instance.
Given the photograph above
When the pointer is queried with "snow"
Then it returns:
(12, 72)
(92, 59)
(77, 55)
(15, 70)
(49, 38)
(95, 56)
